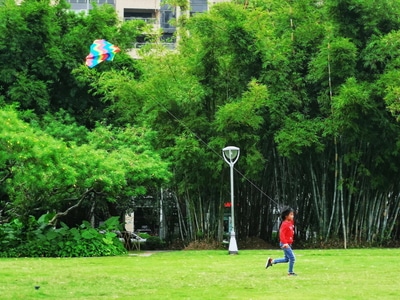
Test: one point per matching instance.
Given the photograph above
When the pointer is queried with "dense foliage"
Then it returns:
(38, 239)
(59, 152)
(308, 90)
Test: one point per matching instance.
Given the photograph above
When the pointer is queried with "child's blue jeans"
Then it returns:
(289, 257)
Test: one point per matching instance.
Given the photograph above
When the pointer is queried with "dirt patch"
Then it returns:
(146, 253)
(253, 243)
(204, 245)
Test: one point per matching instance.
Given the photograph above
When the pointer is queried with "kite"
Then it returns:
(100, 51)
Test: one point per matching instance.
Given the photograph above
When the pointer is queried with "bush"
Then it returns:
(11, 235)
(144, 235)
(154, 243)
(43, 240)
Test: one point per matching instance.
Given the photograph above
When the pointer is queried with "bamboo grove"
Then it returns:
(308, 90)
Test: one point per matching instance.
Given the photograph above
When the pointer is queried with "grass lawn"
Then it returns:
(322, 274)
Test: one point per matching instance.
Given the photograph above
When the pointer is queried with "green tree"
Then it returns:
(40, 173)
(308, 90)
(43, 43)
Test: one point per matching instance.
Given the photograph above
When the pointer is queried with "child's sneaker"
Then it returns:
(292, 274)
(269, 263)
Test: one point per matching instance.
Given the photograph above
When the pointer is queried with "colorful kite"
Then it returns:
(100, 51)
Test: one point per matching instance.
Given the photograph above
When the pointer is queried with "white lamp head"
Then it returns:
(231, 154)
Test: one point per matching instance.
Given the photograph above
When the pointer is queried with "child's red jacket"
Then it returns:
(286, 232)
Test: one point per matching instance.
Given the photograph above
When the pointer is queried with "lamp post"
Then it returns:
(231, 156)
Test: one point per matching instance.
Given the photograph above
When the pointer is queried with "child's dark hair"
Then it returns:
(285, 212)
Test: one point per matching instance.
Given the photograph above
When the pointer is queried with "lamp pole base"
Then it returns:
(233, 249)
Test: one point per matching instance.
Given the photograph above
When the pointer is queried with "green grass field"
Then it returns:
(322, 274)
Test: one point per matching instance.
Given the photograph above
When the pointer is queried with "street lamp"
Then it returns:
(231, 156)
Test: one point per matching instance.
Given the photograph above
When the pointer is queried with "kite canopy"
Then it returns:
(100, 51)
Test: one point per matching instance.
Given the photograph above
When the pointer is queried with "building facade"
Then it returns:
(153, 11)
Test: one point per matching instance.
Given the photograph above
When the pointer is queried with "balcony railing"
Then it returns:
(112, 2)
(147, 20)
(169, 46)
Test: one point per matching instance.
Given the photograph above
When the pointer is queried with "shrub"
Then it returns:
(45, 241)
(11, 235)
(154, 243)
(144, 235)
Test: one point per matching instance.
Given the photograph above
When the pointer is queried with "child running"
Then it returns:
(286, 233)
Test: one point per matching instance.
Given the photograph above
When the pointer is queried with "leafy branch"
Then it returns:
(61, 214)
